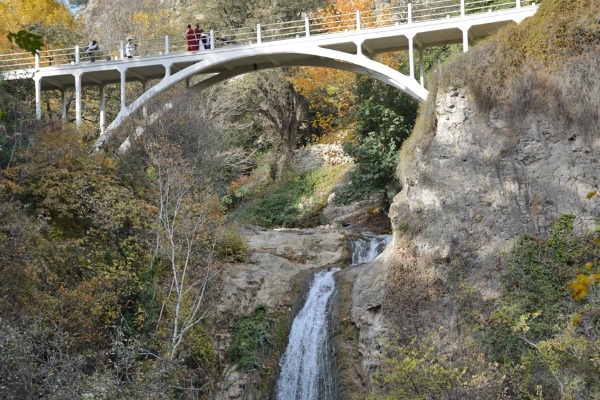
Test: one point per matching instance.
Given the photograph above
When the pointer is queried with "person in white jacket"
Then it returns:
(130, 48)
(91, 50)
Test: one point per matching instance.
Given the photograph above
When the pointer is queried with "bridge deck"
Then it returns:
(437, 23)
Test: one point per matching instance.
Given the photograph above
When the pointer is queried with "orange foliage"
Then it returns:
(330, 91)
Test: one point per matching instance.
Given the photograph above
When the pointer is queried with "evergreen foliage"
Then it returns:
(385, 119)
(252, 338)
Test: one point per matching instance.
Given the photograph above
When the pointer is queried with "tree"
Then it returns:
(187, 232)
(17, 14)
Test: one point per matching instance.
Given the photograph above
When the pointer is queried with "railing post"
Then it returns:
(258, 37)
(77, 55)
(212, 39)
(518, 3)
(306, 26)
(357, 20)
(462, 8)
(166, 44)
(121, 50)
(37, 59)
(123, 89)
(410, 13)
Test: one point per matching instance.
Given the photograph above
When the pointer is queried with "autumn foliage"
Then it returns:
(16, 14)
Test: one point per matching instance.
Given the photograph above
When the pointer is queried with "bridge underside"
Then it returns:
(247, 60)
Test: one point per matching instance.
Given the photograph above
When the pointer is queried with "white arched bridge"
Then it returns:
(346, 41)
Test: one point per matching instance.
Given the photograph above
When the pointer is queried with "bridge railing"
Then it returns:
(234, 37)
(282, 30)
(17, 61)
(386, 16)
(333, 23)
(435, 10)
(478, 6)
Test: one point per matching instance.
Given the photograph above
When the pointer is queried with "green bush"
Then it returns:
(545, 340)
(416, 371)
(252, 338)
(385, 119)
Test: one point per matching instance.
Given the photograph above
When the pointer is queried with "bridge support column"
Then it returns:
(411, 56)
(38, 98)
(123, 91)
(63, 101)
(145, 106)
(465, 45)
(102, 108)
(421, 67)
(78, 100)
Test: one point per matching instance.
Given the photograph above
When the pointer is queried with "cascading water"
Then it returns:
(306, 371)
(305, 368)
(366, 247)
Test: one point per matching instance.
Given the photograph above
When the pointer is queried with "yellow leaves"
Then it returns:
(150, 23)
(589, 265)
(591, 194)
(581, 286)
(18, 13)
(576, 319)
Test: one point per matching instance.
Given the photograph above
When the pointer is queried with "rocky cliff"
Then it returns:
(469, 187)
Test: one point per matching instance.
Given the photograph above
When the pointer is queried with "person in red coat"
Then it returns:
(190, 35)
(198, 34)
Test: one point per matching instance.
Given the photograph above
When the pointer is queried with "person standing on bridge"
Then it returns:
(91, 50)
(204, 38)
(190, 35)
(130, 48)
(198, 34)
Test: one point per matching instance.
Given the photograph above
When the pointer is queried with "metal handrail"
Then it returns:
(149, 47)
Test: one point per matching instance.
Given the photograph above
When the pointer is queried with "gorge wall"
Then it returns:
(469, 188)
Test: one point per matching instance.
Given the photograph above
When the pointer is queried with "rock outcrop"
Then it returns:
(278, 259)
(480, 180)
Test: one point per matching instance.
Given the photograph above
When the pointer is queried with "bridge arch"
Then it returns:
(248, 60)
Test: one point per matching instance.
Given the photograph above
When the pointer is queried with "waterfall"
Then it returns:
(305, 373)
(306, 369)
(366, 247)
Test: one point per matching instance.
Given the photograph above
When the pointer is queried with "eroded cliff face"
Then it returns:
(468, 189)
(480, 180)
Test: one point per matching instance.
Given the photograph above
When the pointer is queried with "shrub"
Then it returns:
(252, 338)
(232, 246)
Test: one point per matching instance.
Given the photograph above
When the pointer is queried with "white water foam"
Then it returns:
(304, 366)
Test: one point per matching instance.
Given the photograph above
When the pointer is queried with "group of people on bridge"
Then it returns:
(197, 39)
